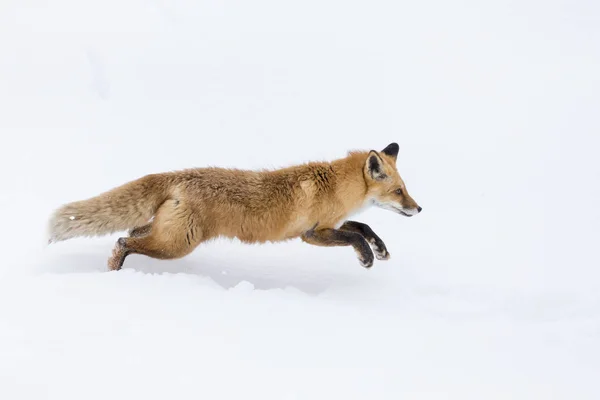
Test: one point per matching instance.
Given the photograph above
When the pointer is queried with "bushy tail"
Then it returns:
(124, 207)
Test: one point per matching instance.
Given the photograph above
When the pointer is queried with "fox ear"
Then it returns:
(375, 166)
(392, 150)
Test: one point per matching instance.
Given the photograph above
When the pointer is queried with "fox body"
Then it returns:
(169, 214)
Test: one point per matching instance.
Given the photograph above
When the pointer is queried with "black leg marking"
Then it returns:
(334, 237)
(375, 241)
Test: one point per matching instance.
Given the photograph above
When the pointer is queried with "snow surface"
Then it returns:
(492, 292)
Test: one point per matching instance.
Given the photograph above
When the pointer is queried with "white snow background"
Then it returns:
(492, 292)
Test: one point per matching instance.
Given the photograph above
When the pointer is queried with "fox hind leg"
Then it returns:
(141, 230)
(175, 232)
(118, 256)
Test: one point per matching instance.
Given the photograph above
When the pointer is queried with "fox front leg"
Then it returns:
(375, 241)
(335, 237)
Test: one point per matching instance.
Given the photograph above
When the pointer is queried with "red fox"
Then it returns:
(169, 214)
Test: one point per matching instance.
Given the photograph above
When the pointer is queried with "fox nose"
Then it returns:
(419, 209)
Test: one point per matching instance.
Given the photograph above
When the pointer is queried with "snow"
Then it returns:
(491, 292)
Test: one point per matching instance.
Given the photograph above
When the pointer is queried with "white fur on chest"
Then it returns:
(367, 204)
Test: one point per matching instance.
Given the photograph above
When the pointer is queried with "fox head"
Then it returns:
(385, 187)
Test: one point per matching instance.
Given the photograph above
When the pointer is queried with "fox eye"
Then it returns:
(399, 191)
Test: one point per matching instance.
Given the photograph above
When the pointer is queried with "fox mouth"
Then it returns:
(403, 213)
(394, 208)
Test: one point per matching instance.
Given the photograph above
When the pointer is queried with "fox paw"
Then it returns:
(379, 249)
(382, 254)
(115, 262)
(366, 260)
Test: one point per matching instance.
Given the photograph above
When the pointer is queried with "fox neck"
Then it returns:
(353, 190)
(355, 211)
